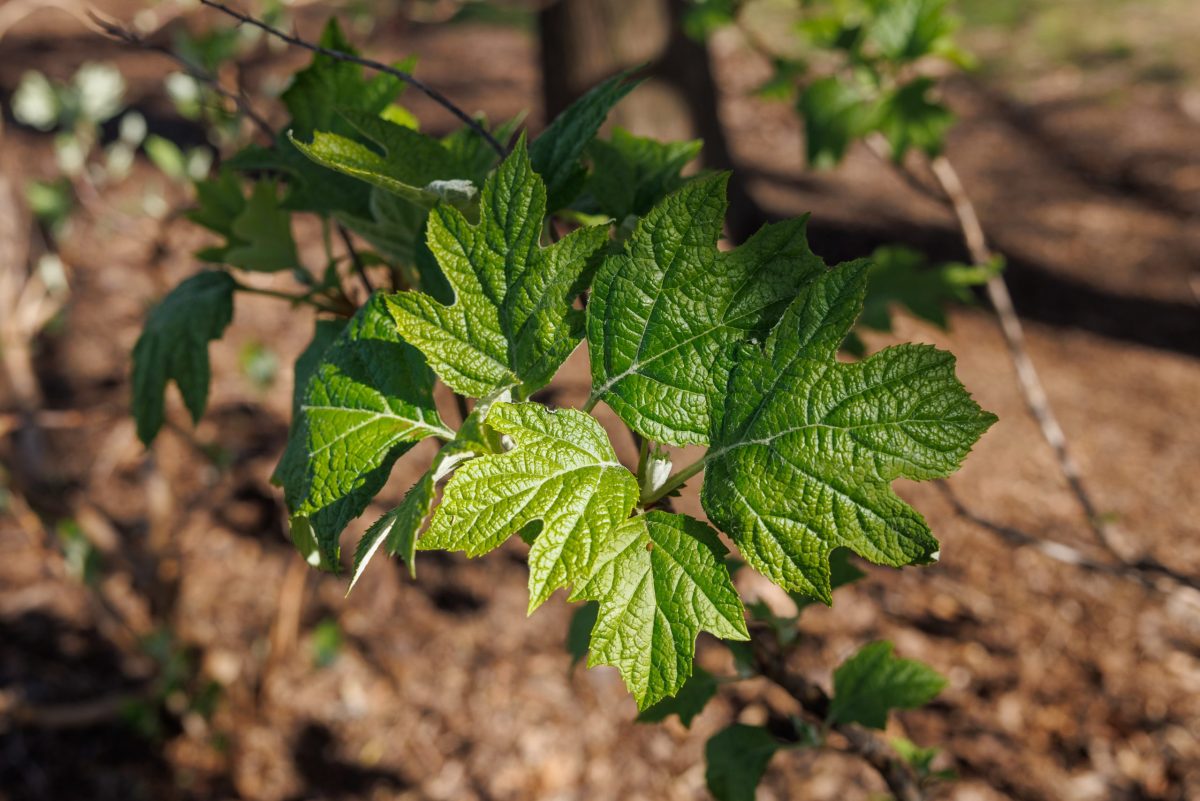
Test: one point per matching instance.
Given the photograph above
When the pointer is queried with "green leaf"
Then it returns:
(900, 276)
(411, 166)
(630, 174)
(908, 118)
(324, 335)
(511, 322)
(659, 579)
(400, 527)
(737, 758)
(257, 230)
(905, 30)
(804, 448)
(697, 691)
(873, 682)
(262, 234)
(329, 85)
(835, 114)
(174, 347)
(394, 226)
(842, 571)
(579, 633)
(368, 402)
(561, 471)
(555, 154)
(663, 314)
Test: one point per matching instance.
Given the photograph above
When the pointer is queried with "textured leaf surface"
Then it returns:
(659, 579)
(174, 347)
(410, 163)
(562, 472)
(368, 401)
(325, 333)
(399, 528)
(737, 758)
(555, 153)
(511, 322)
(630, 174)
(663, 314)
(874, 681)
(805, 447)
(697, 691)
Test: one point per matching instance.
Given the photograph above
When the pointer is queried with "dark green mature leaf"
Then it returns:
(257, 231)
(561, 471)
(663, 314)
(900, 276)
(842, 571)
(394, 226)
(328, 85)
(697, 691)
(737, 758)
(367, 403)
(579, 633)
(873, 682)
(835, 114)
(804, 448)
(908, 118)
(659, 579)
(630, 174)
(174, 347)
(555, 153)
(511, 322)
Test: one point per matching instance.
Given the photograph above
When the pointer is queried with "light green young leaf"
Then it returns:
(659, 579)
(410, 163)
(511, 322)
(664, 313)
(874, 681)
(555, 154)
(804, 448)
(174, 347)
(324, 335)
(400, 527)
(905, 30)
(693, 696)
(630, 174)
(367, 403)
(737, 758)
(561, 471)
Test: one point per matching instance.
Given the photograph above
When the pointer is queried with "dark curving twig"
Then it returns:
(379, 66)
(356, 259)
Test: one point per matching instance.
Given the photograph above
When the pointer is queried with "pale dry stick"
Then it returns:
(950, 191)
(378, 66)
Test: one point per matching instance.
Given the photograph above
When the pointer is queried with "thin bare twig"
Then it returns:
(356, 259)
(896, 773)
(130, 38)
(379, 66)
(1147, 572)
(1014, 336)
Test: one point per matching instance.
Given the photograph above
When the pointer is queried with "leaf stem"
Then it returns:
(590, 404)
(273, 293)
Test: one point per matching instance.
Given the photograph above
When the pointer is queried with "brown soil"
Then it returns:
(1064, 684)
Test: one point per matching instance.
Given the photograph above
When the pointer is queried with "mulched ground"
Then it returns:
(1064, 684)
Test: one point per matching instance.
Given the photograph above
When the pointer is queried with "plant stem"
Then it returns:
(590, 404)
(338, 55)
(273, 293)
(356, 259)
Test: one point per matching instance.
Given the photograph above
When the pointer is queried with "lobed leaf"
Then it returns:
(630, 174)
(173, 346)
(874, 681)
(664, 313)
(511, 322)
(737, 758)
(659, 580)
(369, 401)
(804, 447)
